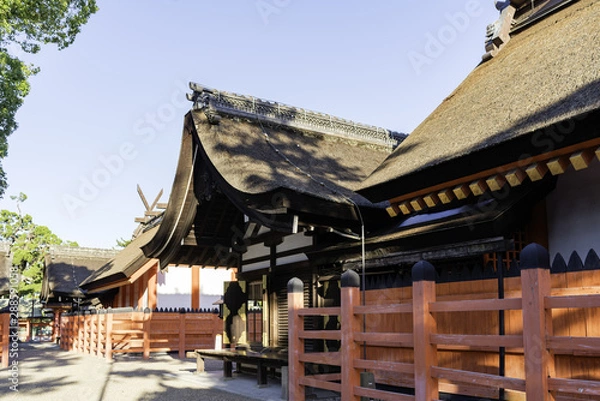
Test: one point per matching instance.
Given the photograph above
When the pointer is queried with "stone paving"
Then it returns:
(45, 372)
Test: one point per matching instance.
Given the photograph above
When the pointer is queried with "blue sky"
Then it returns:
(106, 113)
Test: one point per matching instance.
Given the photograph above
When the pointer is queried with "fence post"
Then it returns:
(295, 290)
(93, 332)
(181, 333)
(100, 325)
(5, 338)
(146, 328)
(537, 321)
(109, 326)
(424, 324)
(350, 324)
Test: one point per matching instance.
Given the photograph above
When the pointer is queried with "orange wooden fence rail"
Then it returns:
(536, 341)
(4, 338)
(125, 331)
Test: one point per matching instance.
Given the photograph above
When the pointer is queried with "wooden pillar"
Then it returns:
(295, 289)
(537, 321)
(152, 284)
(350, 324)
(424, 324)
(142, 285)
(195, 287)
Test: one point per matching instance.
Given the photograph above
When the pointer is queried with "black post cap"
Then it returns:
(423, 271)
(295, 285)
(350, 278)
(535, 256)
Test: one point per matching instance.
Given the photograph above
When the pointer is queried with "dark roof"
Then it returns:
(5, 265)
(124, 264)
(266, 150)
(546, 74)
(245, 156)
(67, 267)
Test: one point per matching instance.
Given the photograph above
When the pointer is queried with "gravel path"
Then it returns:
(45, 372)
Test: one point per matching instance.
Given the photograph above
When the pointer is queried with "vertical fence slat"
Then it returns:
(426, 386)
(5, 338)
(182, 334)
(537, 321)
(350, 324)
(295, 344)
(109, 327)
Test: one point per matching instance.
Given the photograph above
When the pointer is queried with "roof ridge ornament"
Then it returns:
(214, 103)
(498, 33)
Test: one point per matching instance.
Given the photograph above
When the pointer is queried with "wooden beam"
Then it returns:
(446, 196)
(496, 182)
(405, 208)
(417, 204)
(393, 210)
(558, 165)
(461, 191)
(536, 171)
(593, 143)
(478, 187)
(582, 159)
(431, 200)
(515, 177)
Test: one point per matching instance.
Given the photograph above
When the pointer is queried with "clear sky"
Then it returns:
(106, 113)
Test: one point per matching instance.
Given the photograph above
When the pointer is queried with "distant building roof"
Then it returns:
(123, 263)
(548, 73)
(67, 267)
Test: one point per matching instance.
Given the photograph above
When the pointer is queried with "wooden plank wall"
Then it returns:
(445, 338)
(574, 322)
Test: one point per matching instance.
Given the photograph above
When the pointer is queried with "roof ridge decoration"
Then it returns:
(214, 103)
(74, 251)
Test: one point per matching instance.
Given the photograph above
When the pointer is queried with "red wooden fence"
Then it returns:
(125, 331)
(4, 338)
(537, 342)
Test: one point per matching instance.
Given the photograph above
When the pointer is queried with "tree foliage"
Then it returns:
(26, 25)
(29, 243)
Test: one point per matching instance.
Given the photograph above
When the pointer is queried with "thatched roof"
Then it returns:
(124, 264)
(279, 156)
(67, 267)
(546, 74)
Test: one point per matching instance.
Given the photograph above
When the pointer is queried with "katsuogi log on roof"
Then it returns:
(540, 93)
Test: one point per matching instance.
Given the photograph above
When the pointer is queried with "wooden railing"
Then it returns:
(4, 338)
(125, 330)
(426, 373)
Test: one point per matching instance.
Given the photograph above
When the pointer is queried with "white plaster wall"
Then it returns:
(174, 288)
(574, 213)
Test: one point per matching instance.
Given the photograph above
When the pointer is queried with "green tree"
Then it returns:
(29, 244)
(26, 25)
